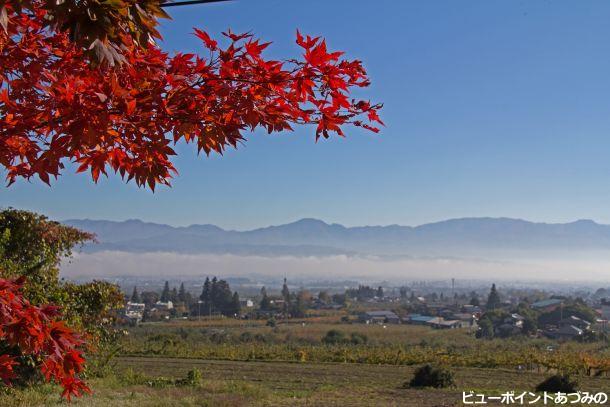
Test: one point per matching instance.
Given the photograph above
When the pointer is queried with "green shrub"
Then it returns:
(558, 383)
(271, 322)
(358, 339)
(430, 376)
(194, 377)
(130, 377)
(334, 337)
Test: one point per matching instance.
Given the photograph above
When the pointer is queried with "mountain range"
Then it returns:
(313, 237)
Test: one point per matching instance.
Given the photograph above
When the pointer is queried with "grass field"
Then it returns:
(246, 363)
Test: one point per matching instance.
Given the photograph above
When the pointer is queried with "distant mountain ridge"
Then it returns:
(311, 237)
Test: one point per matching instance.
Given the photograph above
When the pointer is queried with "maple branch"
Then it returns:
(126, 117)
(191, 2)
(199, 82)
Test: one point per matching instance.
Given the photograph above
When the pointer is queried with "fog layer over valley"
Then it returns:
(466, 248)
(164, 264)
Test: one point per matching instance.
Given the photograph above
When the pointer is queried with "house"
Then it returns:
(450, 324)
(135, 307)
(472, 309)
(575, 321)
(379, 317)
(434, 321)
(417, 319)
(246, 303)
(466, 318)
(514, 320)
(163, 306)
(547, 305)
(565, 332)
(134, 312)
(441, 323)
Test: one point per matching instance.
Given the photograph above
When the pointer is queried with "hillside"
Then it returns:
(470, 236)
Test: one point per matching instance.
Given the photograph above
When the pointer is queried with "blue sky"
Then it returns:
(493, 108)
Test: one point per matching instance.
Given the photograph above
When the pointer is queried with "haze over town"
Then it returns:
(471, 248)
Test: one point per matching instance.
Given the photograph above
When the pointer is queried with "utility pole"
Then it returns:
(453, 291)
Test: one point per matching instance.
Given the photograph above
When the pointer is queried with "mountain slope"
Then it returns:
(310, 237)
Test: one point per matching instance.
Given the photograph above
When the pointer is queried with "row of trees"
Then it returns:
(216, 298)
(293, 304)
(174, 295)
(296, 303)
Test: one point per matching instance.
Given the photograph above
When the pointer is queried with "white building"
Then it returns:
(135, 307)
(246, 303)
(164, 306)
(134, 312)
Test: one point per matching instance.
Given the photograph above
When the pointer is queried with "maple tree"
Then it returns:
(37, 332)
(31, 249)
(57, 104)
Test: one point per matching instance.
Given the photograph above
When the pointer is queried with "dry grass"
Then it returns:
(280, 384)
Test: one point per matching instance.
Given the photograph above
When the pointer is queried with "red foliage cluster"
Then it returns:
(30, 331)
(57, 106)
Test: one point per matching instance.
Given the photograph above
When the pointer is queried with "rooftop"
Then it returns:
(546, 303)
(569, 330)
(574, 320)
(435, 320)
(421, 318)
(449, 322)
(380, 314)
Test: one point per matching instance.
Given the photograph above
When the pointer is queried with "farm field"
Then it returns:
(303, 341)
(232, 383)
(353, 384)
